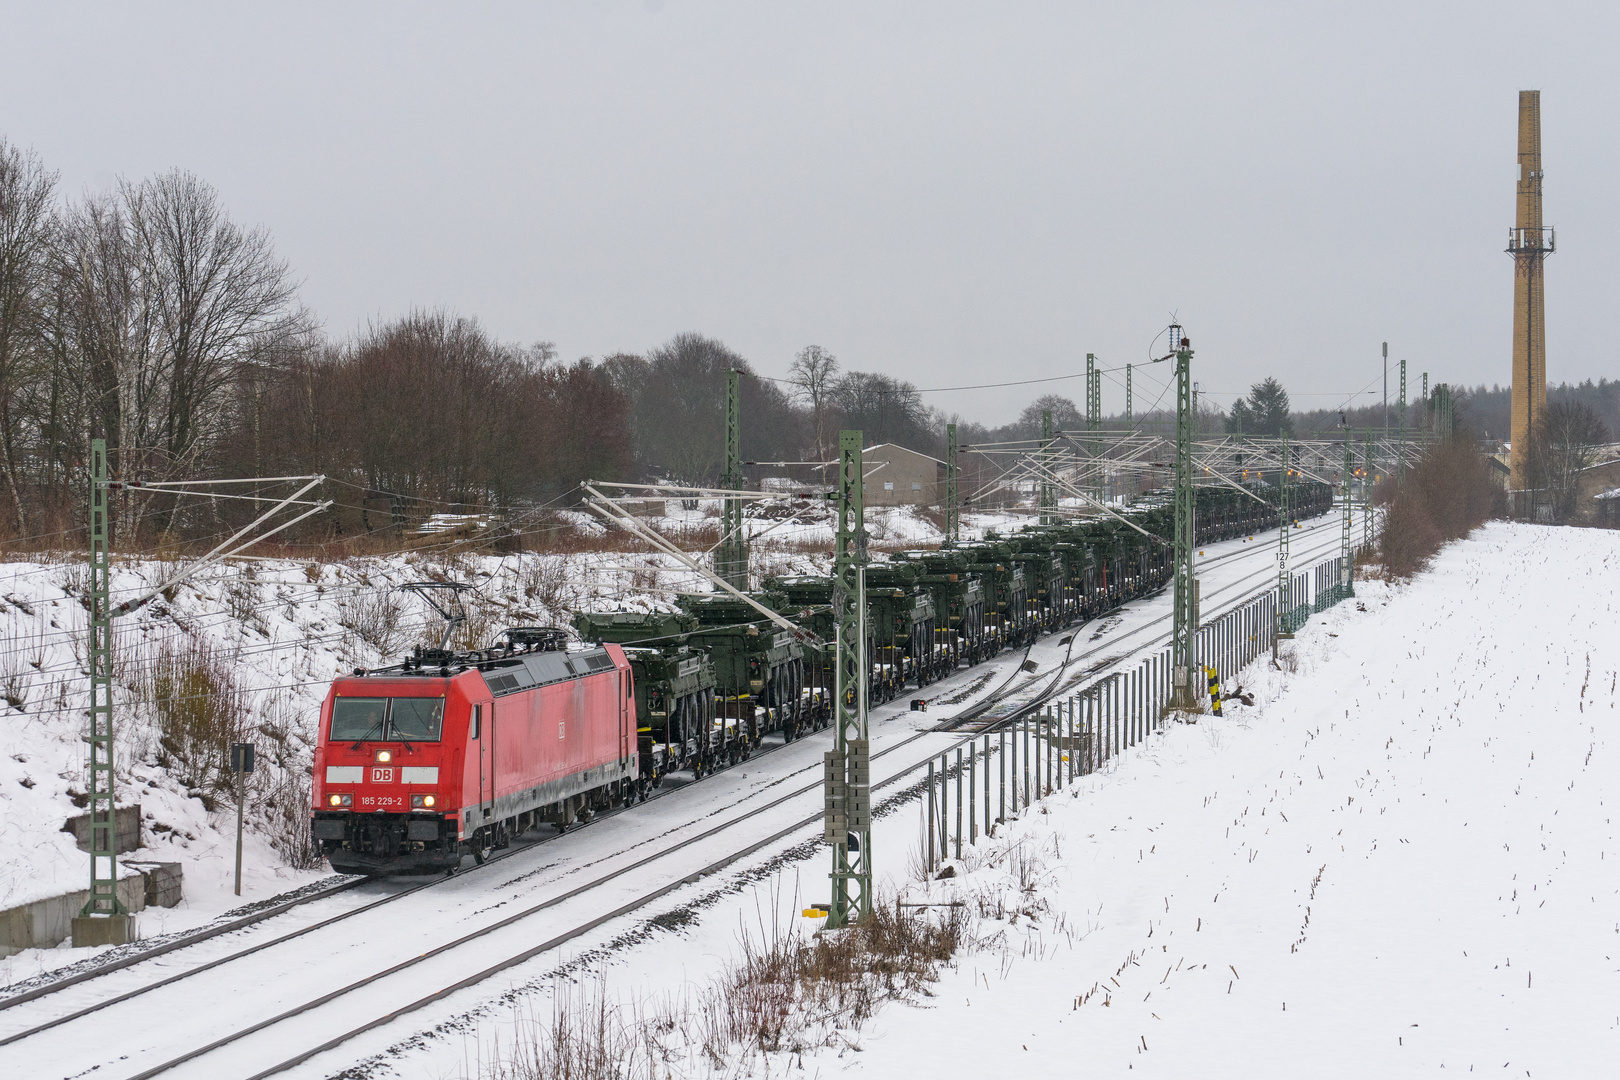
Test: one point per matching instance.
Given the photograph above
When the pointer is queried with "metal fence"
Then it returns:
(992, 776)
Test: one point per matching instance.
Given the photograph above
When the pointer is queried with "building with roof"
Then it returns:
(896, 476)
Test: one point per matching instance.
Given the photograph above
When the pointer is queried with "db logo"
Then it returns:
(382, 776)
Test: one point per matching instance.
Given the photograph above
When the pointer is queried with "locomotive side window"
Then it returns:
(355, 719)
(416, 719)
(472, 725)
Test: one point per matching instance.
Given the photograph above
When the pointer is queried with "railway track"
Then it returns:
(981, 718)
(50, 986)
(445, 965)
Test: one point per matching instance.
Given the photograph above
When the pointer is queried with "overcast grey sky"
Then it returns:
(950, 193)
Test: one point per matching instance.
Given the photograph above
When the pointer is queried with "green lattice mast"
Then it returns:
(111, 926)
(1183, 665)
(732, 556)
(848, 765)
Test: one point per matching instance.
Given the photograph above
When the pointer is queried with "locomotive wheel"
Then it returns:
(480, 846)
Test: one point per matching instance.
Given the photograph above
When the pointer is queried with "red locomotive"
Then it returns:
(454, 753)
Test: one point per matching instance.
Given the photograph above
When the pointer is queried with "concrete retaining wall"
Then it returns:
(126, 825)
(45, 924)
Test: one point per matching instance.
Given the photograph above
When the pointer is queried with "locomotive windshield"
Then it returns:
(387, 719)
(415, 719)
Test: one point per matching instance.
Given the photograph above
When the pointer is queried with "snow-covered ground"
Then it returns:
(674, 945)
(280, 630)
(1395, 864)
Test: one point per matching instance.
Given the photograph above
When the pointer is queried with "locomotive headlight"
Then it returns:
(339, 800)
(384, 756)
(421, 802)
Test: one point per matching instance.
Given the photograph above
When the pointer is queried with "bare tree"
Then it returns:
(1565, 442)
(216, 291)
(101, 341)
(26, 224)
(813, 374)
(1065, 415)
(885, 409)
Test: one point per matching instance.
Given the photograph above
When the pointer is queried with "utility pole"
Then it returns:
(1347, 579)
(953, 510)
(1366, 489)
(1445, 416)
(1401, 403)
(1130, 421)
(1386, 389)
(1400, 449)
(1285, 611)
(848, 819)
(104, 920)
(1183, 664)
(1198, 427)
(1093, 394)
(732, 556)
(1048, 491)
(1426, 401)
(1093, 408)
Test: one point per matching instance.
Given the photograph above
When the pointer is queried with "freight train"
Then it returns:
(453, 753)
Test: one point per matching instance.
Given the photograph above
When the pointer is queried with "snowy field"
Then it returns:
(1395, 864)
(671, 951)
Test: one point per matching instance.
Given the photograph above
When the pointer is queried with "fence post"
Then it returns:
(1136, 706)
(1027, 799)
(1118, 718)
(1096, 729)
(930, 815)
(1035, 735)
(959, 803)
(1001, 740)
(1074, 741)
(1053, 750)
(973, 794)
(1060, 744)
(1014, 742)
(987, 784)
(944, 806)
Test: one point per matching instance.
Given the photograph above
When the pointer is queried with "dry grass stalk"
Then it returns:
(200, 713)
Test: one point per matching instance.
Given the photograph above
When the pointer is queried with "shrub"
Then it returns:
(375, 617)
(200, 713)
(1447, 495)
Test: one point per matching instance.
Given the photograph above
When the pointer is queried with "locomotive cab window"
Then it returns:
(387, 719)
(415, 719)
(356, 719)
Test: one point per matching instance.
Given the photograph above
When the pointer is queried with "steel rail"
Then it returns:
(978, 709)
(182, 942)
(556, 940)
(237, 924)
